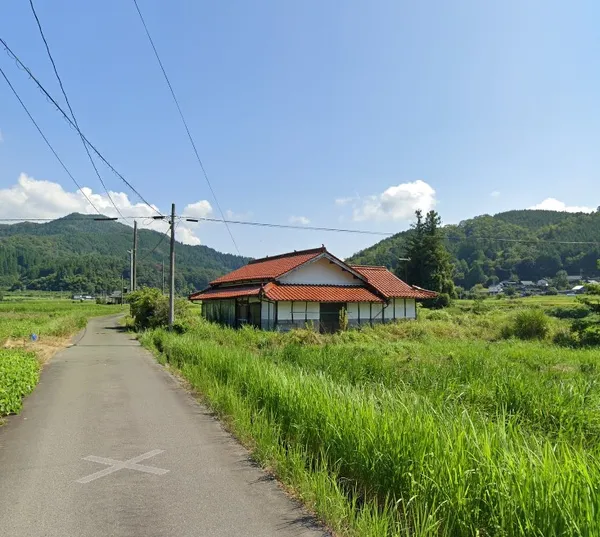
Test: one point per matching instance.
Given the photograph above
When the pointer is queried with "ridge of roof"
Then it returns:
(370, 267)
(321, 249)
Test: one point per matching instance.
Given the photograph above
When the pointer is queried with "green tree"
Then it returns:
(561, 281)
(430, 264)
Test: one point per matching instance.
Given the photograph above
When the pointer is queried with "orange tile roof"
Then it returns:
(269, 267)
(226, 292)
(319, 293)
(390, 285)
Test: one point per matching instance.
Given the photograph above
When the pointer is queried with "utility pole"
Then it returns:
(134, 258)
(172, 271)
(130, 252)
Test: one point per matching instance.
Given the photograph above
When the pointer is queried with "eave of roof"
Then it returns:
(223, 293)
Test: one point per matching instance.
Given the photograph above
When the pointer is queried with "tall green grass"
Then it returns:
(411, 437)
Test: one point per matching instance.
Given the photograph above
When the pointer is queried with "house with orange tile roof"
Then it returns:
(308, 288)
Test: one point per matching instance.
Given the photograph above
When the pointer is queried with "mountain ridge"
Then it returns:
(80, 254)
(524, 244)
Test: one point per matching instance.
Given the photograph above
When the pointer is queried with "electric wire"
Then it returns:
(72, 124)
(47, 141)
(324, 229)
(160, 241)
(185, 124)
(62, 89)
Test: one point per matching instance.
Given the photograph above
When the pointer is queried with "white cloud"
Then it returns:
(200, 209)
(495, 194)
(299, 220)
(396, 203)
(345, 201)
(1, 137)
(552, 204)
(32, 198)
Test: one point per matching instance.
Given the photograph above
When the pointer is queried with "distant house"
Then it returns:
(573, 278)
(543, 283)
(527, 283)
(578, 289)
(308, 287)
(115, 298)
(495, 289)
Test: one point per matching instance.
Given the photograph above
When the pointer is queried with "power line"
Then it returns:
(39, 25)
(72, 124)
(161, 240)
(315, 228)
(380, 233)
(137, 7)
(47, 142)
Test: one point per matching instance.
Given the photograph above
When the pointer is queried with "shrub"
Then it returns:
(150, 309)
(575, 312)
(590, 337)
(528, 324)
(565, 338)
(441, 301)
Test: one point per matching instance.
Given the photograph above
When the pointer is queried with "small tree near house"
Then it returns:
(430, 265)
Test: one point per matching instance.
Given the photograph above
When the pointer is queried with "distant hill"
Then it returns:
(77, 253)
(480, 256)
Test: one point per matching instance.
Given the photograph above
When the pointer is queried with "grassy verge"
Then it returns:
(408, 429)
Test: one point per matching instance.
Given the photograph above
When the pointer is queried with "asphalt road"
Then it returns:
(106, 398)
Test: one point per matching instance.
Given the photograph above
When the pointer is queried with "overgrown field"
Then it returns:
(438, 427)
(48, 320)
(47, 317)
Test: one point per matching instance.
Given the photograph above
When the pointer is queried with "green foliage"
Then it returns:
(528, 324)
(81, 255)
(403, 429)
(20, 319)
(560, 281)
(552, 291)
(430, 266)
(473, 248)
(565, 312)
(19, 373)
(343, 319)
(590, 336)
(150, 309)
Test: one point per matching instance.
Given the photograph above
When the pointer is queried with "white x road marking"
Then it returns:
(115, 466)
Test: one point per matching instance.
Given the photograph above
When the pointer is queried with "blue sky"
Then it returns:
(472, 107)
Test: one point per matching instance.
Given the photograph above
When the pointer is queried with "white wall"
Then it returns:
(306, 311)
(376, 310)
(388, 311)
(411, 308)
(302, 311)
(267, 308)
(320, 272)
(284, 311)
(352, 311)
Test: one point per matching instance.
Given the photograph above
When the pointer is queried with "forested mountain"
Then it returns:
(78, 254)
(484, 248)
